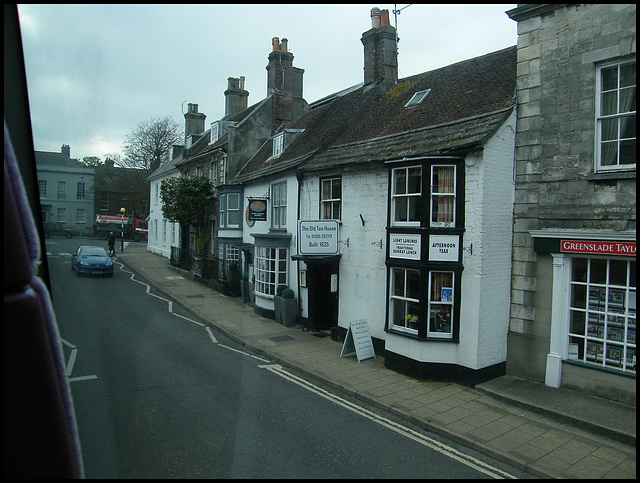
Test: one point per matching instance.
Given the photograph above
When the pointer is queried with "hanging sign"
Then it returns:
(257, 209)
(405, 246)
(318, 237)
(358, 339)
(444, 248)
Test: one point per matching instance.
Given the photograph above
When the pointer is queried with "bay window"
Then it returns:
(441, 305)
(406, 194)
(443, 196)
(404, 303)
(270, 269)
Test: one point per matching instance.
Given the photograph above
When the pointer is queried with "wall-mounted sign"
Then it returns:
(257, 209)
(444, 248)
(598, 247)
(318, 237)
(405, 246)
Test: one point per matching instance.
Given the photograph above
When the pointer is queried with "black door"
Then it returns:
(322, 282)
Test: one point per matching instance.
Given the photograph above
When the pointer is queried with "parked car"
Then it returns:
(92, 260)
(57, 229)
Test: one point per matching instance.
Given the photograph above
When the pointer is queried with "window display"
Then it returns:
(603, 312)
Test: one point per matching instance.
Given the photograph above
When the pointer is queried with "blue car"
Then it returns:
(92, 260)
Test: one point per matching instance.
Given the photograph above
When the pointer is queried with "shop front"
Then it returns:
(593, 310)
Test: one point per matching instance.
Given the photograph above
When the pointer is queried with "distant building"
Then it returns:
(117, 188)
(573, 289)
(66, 189)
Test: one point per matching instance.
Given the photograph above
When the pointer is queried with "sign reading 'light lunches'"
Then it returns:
(405, 246)
(318, 237)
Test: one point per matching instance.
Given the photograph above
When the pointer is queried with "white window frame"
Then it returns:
(332, 203)
(278, 145)
(618, 116)
(417, 98)
(435, 194)
(279, 205)
(607, 315)
(80, 216)
(398, 197)
(403, 299)
(42, 188)
(62, 190)
(271, 269)
(432, 303)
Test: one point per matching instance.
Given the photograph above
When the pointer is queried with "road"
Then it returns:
(158, 394)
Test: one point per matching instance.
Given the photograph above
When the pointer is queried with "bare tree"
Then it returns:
(148, 144)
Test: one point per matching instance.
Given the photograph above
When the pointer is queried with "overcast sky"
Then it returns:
(94, 72)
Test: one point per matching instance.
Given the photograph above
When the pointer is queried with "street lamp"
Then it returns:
(122, 210)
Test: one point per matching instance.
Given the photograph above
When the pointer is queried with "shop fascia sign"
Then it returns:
(598, 247)
(318, 237)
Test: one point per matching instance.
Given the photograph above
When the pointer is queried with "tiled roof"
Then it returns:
(469, 100)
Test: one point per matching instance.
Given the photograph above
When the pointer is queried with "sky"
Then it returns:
(94, 72)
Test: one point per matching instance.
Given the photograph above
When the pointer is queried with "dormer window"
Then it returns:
(278, 145)
(417, 98)
(214, 132)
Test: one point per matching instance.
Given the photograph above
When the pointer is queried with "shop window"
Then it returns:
(270, 269)
(330, 198)
(602, 313)
(404, 303)
(443, 196)
(441, 305)
(406, 194)
(616, 116)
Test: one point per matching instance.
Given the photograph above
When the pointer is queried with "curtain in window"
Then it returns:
(445, 184)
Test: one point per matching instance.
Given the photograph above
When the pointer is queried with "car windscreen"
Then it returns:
(93, 252)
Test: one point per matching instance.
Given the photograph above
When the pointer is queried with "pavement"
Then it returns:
(546, 432)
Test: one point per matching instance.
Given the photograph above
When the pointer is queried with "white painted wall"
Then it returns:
(158, 242)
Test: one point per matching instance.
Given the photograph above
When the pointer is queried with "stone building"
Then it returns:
(66, 188)
(573, 289)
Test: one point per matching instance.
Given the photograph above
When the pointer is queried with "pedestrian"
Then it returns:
(112, 244)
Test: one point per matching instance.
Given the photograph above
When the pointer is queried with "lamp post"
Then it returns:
(122, 210)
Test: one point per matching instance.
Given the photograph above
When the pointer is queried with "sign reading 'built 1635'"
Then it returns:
(318, 237)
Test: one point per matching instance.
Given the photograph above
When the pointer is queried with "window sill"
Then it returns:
(419, 338)
(612, 175)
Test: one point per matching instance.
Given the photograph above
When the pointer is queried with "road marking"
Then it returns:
(72, 361)
(215, 341)
(442, 448)
(182, 316)
(81, 378)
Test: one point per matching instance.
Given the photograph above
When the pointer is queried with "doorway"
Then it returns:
(322, 282)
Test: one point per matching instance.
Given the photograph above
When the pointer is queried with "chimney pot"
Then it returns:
(375, 17)
(276, 43)
(384, 17)
(283, 45)
(241, 82)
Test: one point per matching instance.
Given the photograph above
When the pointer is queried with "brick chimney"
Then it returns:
(66, 150)
(236, 98)
(380, 51)
(193, 121)
(280, 82)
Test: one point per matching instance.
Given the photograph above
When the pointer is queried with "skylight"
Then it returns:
(417, 98)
